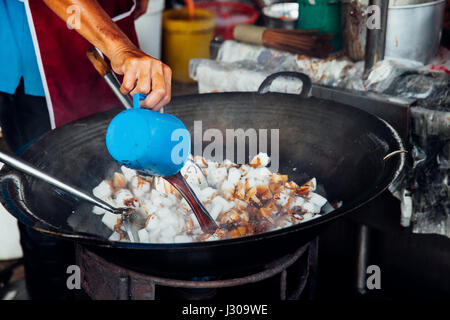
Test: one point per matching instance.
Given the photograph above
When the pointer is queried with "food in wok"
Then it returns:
(243, 200)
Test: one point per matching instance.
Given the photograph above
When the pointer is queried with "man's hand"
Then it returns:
(141, 72)
(144, 74)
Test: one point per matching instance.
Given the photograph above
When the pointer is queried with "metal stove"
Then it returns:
(285, 279)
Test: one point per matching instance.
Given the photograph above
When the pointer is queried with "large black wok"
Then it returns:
(340, 145)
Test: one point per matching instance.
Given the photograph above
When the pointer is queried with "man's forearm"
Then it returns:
(95, 24)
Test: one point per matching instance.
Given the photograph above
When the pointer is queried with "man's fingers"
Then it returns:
(158, 91)
(168, 82)
(129, 80)
(148, 76)
(144, 81)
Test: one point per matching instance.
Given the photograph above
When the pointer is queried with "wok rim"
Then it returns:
(92, 239)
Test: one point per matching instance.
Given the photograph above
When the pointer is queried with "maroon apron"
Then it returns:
(73, 88)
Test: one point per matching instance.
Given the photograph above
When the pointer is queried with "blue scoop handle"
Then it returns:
(137, 97)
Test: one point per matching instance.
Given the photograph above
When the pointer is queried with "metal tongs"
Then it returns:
(31, 170)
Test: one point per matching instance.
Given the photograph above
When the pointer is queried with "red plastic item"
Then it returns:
(228, 15)
(440, 68)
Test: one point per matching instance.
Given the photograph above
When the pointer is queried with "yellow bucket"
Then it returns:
(185, 39)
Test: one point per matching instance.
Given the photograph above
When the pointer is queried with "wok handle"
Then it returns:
(104, 70)
(14, 201)
(13, 197)
(307, 84)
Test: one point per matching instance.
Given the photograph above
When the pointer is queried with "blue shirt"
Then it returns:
(17, 56)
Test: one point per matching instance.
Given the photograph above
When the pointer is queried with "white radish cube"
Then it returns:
(140, 186)
(317, 199)
(260, 160)
(168, 232)
(110, 220)
(298, 202)
(143, 235)
(128, 173)
(284, 198)
(206, 194)
(103, 191)
(194, 176)
(227, 189)
(309, 207)
(233, 176)
(115, 236)
(200, 161)
(152, 222)
(216, 176)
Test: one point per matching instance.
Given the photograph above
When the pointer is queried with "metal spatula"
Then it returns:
(31, 170)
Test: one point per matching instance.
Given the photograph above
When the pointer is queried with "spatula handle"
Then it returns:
(105, 71)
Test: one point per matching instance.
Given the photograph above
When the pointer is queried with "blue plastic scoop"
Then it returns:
(155, 143)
